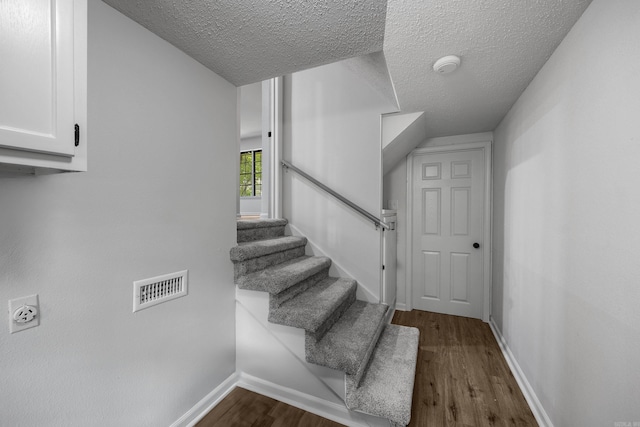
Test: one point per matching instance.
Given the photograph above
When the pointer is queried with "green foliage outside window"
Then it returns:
(251, 173)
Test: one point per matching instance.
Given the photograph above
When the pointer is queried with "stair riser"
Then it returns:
(256, 264)
(250, 250)
(285, 275)
(365, 362)
(345, 351)
(314, 337)
(340, 332)
(262, 233)
(276, 300)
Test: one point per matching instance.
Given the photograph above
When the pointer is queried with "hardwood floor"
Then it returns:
(462, 380)
(245, 408)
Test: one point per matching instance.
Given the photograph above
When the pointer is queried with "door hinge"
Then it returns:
(383, 267)
(269, 134)
(77, 134)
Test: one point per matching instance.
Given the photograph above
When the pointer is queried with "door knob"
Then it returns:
(476, 245)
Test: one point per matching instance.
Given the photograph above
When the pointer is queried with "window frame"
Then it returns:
(253, 174)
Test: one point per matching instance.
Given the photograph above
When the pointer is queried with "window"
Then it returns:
(251, 173)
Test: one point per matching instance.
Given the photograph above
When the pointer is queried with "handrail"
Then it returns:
(376, 221)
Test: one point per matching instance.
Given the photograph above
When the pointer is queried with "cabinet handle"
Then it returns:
(77, 132)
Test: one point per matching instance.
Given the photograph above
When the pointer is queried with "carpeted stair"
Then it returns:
(341, 332)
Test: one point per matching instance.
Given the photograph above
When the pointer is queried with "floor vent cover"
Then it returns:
(150, 292)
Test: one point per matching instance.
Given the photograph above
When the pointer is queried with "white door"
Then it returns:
(448, 232)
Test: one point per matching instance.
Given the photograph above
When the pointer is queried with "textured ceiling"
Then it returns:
(246, 41)
(502, 44)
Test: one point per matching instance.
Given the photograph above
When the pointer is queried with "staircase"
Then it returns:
(341, 333)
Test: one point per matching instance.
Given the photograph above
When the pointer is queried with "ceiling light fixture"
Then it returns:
(446, 64)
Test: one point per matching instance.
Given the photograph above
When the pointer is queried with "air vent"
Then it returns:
(150, 292)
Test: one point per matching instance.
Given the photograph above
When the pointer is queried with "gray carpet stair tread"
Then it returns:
(386, 389)
(249, 250)
(245, 224)
(311, 309)
(347, 345)
(340, 332)
(279, 277)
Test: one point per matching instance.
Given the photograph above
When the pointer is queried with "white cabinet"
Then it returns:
(43, 81)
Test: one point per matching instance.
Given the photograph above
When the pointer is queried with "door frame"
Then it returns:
(276, 123)
(488, 217)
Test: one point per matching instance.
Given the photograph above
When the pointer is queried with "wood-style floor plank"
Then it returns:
(462, 377)
(245, 408)
(462, 380)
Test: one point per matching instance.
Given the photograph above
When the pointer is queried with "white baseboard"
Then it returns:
(332, 411)
(401, 306)
(207, 403)
(534, 403)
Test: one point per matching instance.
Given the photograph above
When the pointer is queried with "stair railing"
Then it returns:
(377, 222)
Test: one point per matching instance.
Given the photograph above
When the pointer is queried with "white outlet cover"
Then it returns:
(15, 304)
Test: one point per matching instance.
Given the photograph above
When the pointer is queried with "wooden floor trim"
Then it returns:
(532, 399)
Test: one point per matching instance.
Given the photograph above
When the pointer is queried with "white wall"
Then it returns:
(252, 143)
(250, 206)
(567, 237)
(401, 133)
(332, 132)
(156, 199)
(395, 195)
(251, 110)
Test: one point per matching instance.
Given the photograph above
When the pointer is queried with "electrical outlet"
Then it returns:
(24, 313)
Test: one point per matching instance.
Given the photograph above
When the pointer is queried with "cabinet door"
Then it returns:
(36, 76)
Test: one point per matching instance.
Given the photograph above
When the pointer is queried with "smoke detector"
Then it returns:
(446, 64)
